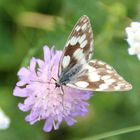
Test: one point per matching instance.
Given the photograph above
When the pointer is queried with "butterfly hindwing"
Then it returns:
(99, 76)
(79, 46)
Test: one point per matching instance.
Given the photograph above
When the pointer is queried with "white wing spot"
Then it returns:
(101, 63)
(82, 84)
(82, 38)
(85, 20)
(120, 78)
(82, 61)
(103, 86)
(117, 87)
(84, 26)
(109, 71)
(66, 61)
(93, 77)
(67, 43)
(121, 84)
(108, 67)
(94, 61)
(97, 89)
(77, 28)
(109, 81)
(91, 44)
(78, 54)
(73, 41)
(105, 77)
(90, 55)
(90, 68)
(83, 44)
(90, 30)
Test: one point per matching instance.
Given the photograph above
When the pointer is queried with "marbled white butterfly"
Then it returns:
(77, 70)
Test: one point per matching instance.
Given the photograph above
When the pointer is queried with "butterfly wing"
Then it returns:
(79, 46)
(99, 76)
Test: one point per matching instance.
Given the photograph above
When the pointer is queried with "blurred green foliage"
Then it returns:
(21, 39)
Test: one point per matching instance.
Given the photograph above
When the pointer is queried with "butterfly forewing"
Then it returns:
(99, 76)
(79, 46)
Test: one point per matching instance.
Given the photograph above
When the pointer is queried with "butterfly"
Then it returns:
(78, 70)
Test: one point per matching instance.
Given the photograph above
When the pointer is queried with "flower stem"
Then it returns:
(113, 133)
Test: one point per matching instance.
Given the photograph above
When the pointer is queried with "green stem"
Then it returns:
(113, 133)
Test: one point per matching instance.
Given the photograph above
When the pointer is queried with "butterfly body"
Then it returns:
(68, 74)
(77, 70)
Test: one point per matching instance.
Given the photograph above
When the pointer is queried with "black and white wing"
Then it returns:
(79, 46)
(99, 76)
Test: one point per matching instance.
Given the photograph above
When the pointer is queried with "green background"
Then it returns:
(25, 27)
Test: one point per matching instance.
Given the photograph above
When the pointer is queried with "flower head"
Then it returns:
(43, 99)
(4, 120)
(133, 38)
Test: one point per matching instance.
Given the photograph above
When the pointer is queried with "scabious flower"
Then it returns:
(133, 38)
(42, 98)
(4, 120)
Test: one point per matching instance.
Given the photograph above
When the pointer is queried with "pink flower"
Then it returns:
(43, 99)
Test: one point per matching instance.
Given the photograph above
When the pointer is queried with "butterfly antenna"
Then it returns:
(53, 79)
(42, 82)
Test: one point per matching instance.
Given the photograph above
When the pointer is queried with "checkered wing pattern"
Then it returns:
(79, 46)
(99, 76)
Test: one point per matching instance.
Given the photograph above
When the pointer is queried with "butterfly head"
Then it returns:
(60, 82)
(57, 85)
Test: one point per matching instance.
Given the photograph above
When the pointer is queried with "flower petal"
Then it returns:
(23, 107)
(23, 72)
(47, 54)
(48, 124)
(32, 64)
(58, 122)
(20, 92)
(70, 121)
